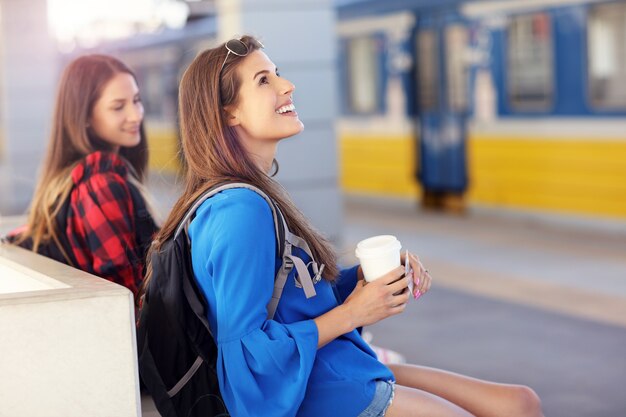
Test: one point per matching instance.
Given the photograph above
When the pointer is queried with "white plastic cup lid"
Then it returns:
(377, 246)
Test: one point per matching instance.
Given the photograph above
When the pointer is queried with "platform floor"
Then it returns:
(516, 298)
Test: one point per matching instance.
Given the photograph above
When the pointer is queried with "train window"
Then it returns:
(456, 38)
(363, 75)
(530, 62)
(428, 69)
(606, 55)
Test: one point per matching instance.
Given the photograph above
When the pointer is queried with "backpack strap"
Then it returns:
(284, 270)
(184, 224)
(285, 242)
(304, 278)
(280, 227)
(289, 261)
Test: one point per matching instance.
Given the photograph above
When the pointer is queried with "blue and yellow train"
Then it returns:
(516, 103)
(510, 103)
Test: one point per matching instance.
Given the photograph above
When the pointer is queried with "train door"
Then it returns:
(443, 102)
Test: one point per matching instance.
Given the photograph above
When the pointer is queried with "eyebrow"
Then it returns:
(264, 72)
(121, 100)
(260, 72)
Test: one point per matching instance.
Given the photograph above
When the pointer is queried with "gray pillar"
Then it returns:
(299, 37)
(28, 71)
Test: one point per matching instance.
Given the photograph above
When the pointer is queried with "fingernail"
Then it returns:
(417, 294)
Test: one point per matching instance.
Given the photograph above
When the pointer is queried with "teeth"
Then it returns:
(284, 109)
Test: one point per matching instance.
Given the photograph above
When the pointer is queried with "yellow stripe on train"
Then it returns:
(163, 147)
(378, 164)
(582, 176)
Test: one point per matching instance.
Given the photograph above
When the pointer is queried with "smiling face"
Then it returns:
(264, 113)
(116, 117)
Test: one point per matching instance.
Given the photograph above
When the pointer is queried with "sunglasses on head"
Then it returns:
(237, 47)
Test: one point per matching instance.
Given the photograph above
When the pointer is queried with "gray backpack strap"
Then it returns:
(184, 223)
(290, 240)
(304, 277)
(301, 243)
(285, 267)
(288, 263)
(279, 222)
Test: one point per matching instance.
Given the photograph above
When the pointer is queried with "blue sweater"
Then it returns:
(273, 367)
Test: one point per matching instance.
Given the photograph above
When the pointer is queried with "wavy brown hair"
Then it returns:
(214, 154)
(80, 87)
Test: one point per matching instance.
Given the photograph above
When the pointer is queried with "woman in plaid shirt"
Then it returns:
(89, 208)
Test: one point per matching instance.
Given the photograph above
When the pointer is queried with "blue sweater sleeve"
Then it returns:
(234, 259)
(346, 282)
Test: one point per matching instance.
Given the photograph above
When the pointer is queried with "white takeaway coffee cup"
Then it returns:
(378, 255)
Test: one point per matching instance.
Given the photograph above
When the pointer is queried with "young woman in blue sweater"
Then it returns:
(309, 359)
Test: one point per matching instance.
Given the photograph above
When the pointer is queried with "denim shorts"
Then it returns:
(381, 401)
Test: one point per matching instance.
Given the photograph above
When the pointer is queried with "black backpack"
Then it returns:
(177, 352)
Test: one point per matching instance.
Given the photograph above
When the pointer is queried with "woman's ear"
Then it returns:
(231, 116)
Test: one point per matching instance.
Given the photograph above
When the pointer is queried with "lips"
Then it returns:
(132, 131)
(286, 108)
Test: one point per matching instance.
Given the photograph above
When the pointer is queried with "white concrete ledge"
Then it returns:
(67, 345)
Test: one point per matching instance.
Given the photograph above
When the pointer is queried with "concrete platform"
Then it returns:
(517, 298)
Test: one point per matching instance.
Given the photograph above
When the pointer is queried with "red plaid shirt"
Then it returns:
(101, 221)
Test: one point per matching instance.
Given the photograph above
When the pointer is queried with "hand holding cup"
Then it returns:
(380, 254)
(419, 277)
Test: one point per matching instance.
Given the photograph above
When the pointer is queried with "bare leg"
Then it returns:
(411, 402)
(481, 398)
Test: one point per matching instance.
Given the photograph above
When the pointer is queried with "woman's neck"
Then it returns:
(263, 164)
(264, 157)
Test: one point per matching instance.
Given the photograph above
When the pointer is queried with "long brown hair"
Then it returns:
(214, 153)
(71, 140)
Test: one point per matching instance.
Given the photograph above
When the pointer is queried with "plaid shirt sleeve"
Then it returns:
(103, 239)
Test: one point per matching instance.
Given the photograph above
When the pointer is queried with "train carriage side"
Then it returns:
(376, 133)
(441, 43)
(405, 102)
(548, 131)
(545, 91)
